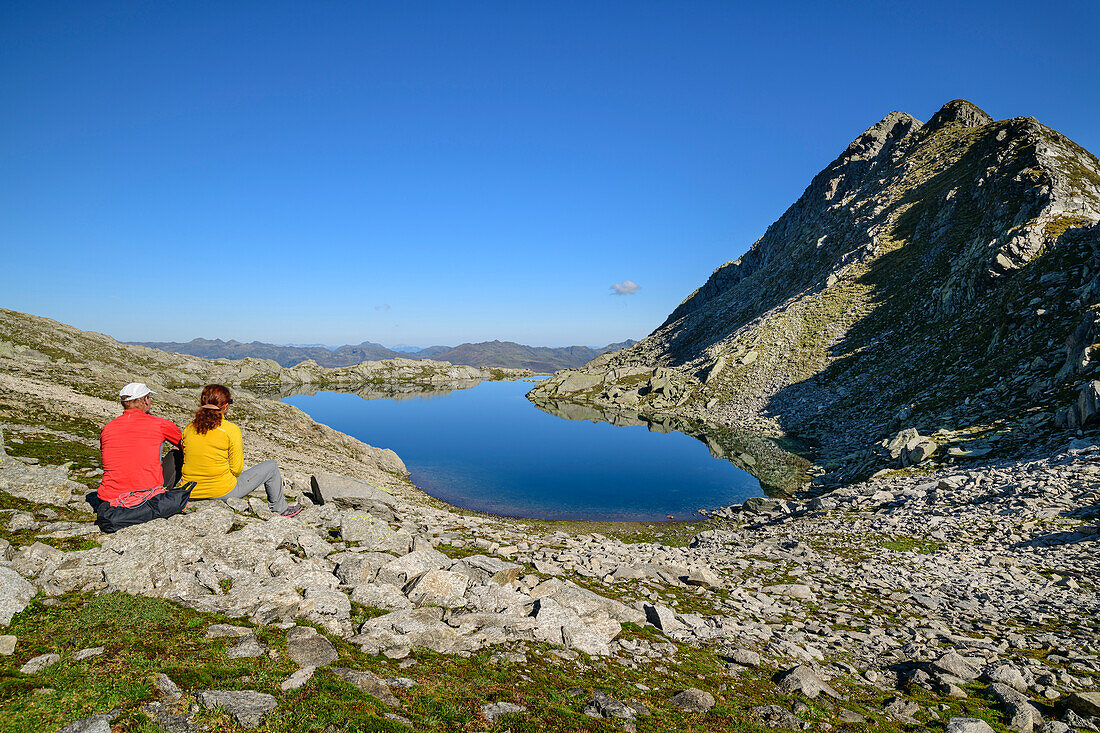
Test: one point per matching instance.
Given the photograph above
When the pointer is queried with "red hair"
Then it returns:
(206, 418)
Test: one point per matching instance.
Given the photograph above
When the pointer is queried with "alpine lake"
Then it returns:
(484, 446)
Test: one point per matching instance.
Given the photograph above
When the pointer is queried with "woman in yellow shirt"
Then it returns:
(213, 457)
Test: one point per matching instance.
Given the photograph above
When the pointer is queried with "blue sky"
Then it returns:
(432, 173)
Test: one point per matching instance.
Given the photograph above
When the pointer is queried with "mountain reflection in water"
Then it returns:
(779, 470)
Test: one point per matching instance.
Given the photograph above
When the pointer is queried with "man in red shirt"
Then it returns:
(131, 447)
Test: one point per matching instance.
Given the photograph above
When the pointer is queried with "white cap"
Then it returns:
(134, 391)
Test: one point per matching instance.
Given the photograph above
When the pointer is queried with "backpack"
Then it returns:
(113, 518)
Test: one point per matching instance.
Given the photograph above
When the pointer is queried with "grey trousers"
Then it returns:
(266, 473)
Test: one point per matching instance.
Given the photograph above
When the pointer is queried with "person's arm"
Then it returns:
(236, 450)
(171, 432)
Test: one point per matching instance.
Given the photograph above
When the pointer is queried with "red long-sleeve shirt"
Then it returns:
(131, 452)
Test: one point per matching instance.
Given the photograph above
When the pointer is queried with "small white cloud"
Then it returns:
(626, 287)
(383, 307)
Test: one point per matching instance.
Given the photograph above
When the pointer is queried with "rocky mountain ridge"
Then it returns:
(940, 277)
(506, 354)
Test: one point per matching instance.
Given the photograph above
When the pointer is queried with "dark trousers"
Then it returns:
(171, 465)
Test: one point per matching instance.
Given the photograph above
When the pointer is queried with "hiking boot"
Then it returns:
(292, 511)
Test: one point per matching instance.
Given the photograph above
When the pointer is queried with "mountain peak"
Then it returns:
(959, 112)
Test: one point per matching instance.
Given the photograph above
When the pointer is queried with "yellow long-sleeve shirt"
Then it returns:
(213, 459)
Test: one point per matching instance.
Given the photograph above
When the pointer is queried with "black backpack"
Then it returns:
(113, 518)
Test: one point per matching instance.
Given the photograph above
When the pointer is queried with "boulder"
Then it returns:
(558, 624)
(805, 680)
(663, 617)
(968, 725)
(494, 710)
(693, 700)
(1021, 715)
(400, 571)
(761, 505)
(308, 648)
(1083, 703)
(360, 567)
(365, 529)
(438, 588)
(35, 665)
(39, 484)
(572, 381)
(1088, 404)
(382, 595)
(246, 707)
(349, 493)
(791, 590)
(603, 705)
(774, 716)
(955, 665)
(100, 723)
(15, 594)
(369, 683)
(248, 647)
(483, 569)
(298, 679)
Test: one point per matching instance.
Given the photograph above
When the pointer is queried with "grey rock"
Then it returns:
(298, 679)
(369, 683)
(39, 663)
(663, 617)
(100, 723)
(400, 571)
(85, 653)
(603, 705)
(956, 666)
(383, 596)
(1083, 703)
(900, 707)
(968, 725)
(1006, 674)
(851, 717)
(7, 645)
(40, 484)
(1022, 715)
(483, 569)
(366, 529)
(360, 567)
(693, 700)
(494, 710)
(1055, 726)
(248, 647)
(349, 493)
(791, 590)
(246, 707)
(702, 577)
(805, 680)
(761, 505)
(167, 687)
(15, 594)
(744, 657)
(20, 521)
(774, 716)
(1088, 404)
(438, 588)
(308, 648)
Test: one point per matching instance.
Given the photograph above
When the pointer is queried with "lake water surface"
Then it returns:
(489, 449)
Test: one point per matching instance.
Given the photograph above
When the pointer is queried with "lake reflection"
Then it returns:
(487, 448)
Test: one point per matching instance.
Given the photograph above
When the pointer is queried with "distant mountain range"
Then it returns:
(484, 354)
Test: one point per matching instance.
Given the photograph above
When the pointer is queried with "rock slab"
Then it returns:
(246, 707)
